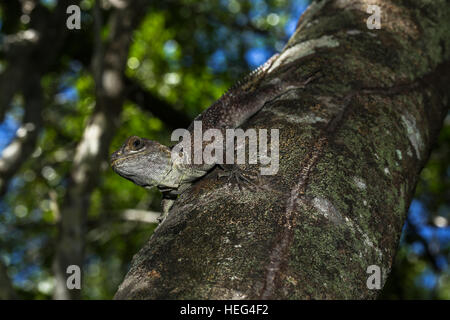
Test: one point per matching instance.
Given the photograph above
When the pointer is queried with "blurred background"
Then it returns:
(68, 98)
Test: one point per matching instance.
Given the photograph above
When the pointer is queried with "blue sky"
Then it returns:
(7, 131)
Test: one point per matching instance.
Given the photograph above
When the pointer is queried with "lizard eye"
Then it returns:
(137, 144)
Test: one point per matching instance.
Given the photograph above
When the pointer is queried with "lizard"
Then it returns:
(149, 164)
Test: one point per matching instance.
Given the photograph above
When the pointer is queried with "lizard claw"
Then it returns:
(242, 179)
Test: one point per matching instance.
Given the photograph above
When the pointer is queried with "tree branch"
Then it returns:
(141, 215)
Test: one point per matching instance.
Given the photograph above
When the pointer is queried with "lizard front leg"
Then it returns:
(169, 198)
(166, 205)
(243, 179)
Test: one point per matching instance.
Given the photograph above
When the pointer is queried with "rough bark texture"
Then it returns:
(351, 147)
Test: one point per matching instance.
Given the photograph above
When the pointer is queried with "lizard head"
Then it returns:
(146, 163)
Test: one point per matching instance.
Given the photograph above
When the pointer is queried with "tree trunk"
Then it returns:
(351, 147)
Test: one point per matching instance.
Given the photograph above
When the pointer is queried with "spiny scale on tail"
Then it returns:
(252, 79)
(232, 108)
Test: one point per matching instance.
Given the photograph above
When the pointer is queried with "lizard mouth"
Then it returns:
(117, 157)
(114, 162)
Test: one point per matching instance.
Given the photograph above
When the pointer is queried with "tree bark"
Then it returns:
(351, 147)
